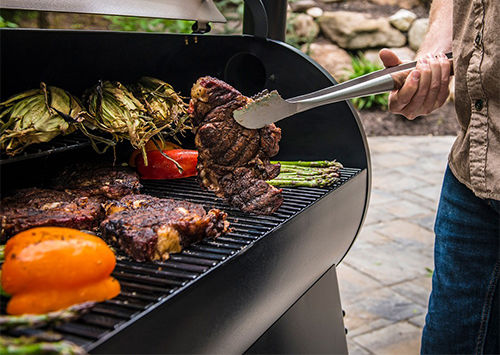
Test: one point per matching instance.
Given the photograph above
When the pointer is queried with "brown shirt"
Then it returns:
(475, 155)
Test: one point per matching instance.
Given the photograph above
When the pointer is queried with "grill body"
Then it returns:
(215, 297)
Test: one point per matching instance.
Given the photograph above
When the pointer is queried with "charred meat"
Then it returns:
(149, 228)
(35, 207)
(106, 181)
(233, 161)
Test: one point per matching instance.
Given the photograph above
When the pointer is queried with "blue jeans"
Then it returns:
(464, 313)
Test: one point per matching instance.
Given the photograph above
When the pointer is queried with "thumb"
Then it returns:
(389, 58)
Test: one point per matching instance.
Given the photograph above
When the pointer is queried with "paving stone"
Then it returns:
(394, 339)
(418, 199)
(378, 309)
(390, 263)
(403, 209)
(391, 159)
(369, 235)
(353, 284)
(355, 349)
(384, 284)
(426, 221)
(401, 230)
(418, 321)
(431, 192)
(377, 214)
(417, 290)
(435, 178)
(396, 181)
(378, 196)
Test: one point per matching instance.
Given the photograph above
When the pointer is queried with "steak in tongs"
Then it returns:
(149, 228)
(233, 161)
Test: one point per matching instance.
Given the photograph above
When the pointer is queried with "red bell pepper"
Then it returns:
(160, 167)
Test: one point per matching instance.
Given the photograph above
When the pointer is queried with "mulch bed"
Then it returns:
(383, 123)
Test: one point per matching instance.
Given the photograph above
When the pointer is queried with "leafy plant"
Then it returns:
(126, 23)
(6, 23)
(362, 66)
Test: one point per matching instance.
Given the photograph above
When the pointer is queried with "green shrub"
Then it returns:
(6, 23)
(126, 23)
(362, 66)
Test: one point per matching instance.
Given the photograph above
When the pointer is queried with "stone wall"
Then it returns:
(331, 31)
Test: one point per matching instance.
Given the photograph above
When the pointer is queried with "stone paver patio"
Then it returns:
(385, 280)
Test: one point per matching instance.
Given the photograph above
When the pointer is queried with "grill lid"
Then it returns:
(202, 11)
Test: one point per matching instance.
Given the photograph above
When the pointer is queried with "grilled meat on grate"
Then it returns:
(149, 228)
(233, 161)
(35, 207)
(110, 182)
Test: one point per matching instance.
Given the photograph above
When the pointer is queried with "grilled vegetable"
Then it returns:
(164, 104)
(31, 345)
(40, 320)
(160, 167)
(306, 173)
(152, 145)
(118, 112)
(82, 262)
(37, 116)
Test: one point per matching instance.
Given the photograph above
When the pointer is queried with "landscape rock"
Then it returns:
(402, 19)
(331, 57)
(356, 30)
(404, 53)
(315, 12)
(417, 33)
(302, 5)
(305, 27)
(330, 1)
(405, 4)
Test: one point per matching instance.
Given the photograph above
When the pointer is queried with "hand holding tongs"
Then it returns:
(269, 107)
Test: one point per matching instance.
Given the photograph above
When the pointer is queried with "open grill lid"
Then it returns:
(202, 11)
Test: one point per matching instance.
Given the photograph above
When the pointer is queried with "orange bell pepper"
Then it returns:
(51, 268)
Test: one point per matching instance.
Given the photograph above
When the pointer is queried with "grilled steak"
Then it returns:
(110, 182)
(149, 228)
(35, 207)
(233, 161)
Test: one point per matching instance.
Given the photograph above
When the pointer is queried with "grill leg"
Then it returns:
(314, 324)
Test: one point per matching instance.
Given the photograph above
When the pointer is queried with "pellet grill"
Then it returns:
(270, 285)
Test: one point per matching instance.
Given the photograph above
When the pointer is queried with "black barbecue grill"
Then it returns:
(268, 286)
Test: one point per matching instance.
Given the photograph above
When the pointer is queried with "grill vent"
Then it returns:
(144, 284)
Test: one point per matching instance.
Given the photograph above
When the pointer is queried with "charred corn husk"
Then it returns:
(37, 116)
(116, 111)
(164, 105)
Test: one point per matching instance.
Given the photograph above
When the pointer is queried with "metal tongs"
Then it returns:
(269, 107)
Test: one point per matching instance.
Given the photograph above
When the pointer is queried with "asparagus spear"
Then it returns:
(318, 163)
(2, 256)
(30, 345)
(307, 173)
(38, 320)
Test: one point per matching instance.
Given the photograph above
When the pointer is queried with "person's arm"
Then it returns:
(426, 87)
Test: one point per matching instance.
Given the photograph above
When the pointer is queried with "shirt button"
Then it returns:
(478, 39)
(478, 104)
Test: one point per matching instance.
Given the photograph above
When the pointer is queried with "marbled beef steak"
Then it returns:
(149, 228)
(233, 161)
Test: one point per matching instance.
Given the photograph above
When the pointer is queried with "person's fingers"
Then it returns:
(414, 108)
(401, 98)
(444, 89)
(435, 85)
(389, 58)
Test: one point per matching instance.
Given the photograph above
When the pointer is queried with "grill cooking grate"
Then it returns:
(144, 284)
(57, 145)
